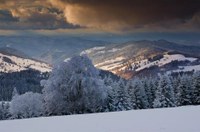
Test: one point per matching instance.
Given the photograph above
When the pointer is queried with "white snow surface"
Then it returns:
(166, 60)
(111, 64)
(181, 119)
(185, 69)
(93, 50)
(20, 64)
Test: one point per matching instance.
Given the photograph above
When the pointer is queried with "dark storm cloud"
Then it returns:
(31, 14)
(135, 14)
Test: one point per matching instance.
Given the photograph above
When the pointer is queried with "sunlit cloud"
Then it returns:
(137, 15)
(103, 15)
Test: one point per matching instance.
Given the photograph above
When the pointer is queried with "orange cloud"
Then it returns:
(129, 14)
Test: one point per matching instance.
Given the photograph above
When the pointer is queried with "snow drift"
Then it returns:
(181, 119)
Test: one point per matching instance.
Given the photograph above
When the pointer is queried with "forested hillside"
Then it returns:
(23, 81)
(76, 87)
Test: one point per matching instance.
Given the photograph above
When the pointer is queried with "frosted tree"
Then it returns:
(27, 105)
(131, 91)
(4, 110)
(153, 88)
(196, 84)
(140, 95)
(176, 83)
(185, 91)
(150, 88)
(74, 87)
(14, 93)
(112, 101)
(122, 96)
(159, 100)
(164, 93)
(108, 81)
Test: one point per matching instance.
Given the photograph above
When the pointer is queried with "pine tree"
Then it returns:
(4, 110)
(112, 94)
(153, 88)
(149, 90)
(196, 93)
(165, 93)
(123, 96)
(131, 91)
(159, 101)
(185, 91)
(175, 83)
(14, 93)
(140, 95)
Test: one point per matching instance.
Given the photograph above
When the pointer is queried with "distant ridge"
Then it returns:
(145, 58)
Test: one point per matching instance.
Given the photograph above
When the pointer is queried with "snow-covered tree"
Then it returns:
(140, 95)
(131, 92)
(185, 91)
(122, 96)
(164, 93)
(27, 105)
(112, 101)
(196, 84)
(153, 88)
(74, 87)
(14, 93)
(112, 94)
(150, 88)
(159, 100)
(175, 83)
(4, 110)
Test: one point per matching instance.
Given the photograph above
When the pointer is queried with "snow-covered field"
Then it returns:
(100, 50)
(93, 50)
(166, 60)
(186, 69)
(112, 64)
(181, 119)
(15, 64)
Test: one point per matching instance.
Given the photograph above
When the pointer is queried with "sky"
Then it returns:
(53, 17)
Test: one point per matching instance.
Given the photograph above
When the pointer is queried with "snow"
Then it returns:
(181, 119)
(19, 64)
(186, 69)
(100, 50)
(118, 62)
(114, 50)
(165, 60)
(93, 50)
(111, 64)
(169, 58)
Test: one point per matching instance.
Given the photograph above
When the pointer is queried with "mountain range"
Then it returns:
(12, 60)
(145, 58)
(50, 49)
(128, 60)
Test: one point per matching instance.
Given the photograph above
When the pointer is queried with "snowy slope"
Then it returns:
(194, 68)
(145, 58)
(182, 119)
(118, 62)
(165, 60)
(11, 63)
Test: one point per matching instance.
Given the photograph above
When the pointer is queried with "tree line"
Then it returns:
(23, 81)
(75, 87)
